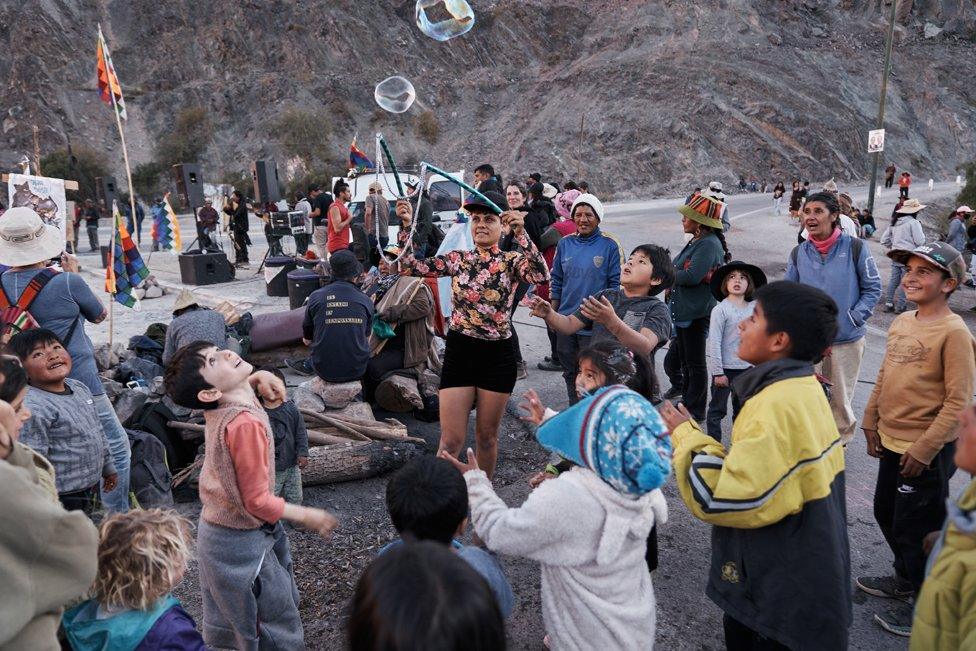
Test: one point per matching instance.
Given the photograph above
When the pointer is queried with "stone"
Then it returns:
(154, 291)
(112, 388)
(106, 360)
(304, 398)
(333, 395)
(932, 30)
(129, 403)
(399, 393)
(358, 410)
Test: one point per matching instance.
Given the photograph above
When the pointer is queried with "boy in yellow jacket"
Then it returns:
(780, 565)
(945, 614)
(910, 421)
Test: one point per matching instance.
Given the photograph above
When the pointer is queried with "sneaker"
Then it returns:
(888, 587)
(549, 365)
(889, 307)
(522, 372)
(896, 619)
(300, 366)
(673, 392)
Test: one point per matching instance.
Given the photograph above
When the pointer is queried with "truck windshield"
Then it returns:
(445, 196)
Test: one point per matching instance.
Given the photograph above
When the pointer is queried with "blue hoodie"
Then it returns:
(854, 285)
(584, 266)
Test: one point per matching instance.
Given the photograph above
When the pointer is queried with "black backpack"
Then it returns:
(149, 474)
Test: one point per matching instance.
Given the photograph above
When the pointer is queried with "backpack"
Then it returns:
(149, 474)
(15, 316)
(856, 247)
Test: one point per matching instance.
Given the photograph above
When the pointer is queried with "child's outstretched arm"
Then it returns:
(758, 482)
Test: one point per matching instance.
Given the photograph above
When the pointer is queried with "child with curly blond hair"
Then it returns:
(142, 556)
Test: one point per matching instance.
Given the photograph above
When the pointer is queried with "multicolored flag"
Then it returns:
(108, 82)
(126, 270)
(358, 158)
(168, 231)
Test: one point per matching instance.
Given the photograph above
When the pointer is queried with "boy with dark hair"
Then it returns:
(290, 443)
(339, 218)
(64, 426)
(428, 500)
(911, 419)
(776, 496)
(241, 544)
(630, 314)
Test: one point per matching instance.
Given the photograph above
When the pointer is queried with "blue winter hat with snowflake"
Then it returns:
(617, 434)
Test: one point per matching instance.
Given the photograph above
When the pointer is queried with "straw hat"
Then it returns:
(910, 207)
(704, 210)
(185, 299)
(25, 239)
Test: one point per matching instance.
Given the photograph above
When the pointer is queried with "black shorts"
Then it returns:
(481, 363)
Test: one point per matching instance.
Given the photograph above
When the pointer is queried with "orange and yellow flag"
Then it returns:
(108, 82)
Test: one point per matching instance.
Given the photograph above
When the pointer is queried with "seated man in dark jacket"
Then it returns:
(337, 323)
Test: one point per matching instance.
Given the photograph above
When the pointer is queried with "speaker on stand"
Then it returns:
(189, 185)
(198, 267)
(105, 193)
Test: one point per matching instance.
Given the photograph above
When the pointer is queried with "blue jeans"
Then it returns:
(895, 295)
(118, 445)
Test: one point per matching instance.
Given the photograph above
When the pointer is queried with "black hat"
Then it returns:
(344, 265)
(535, 176)
(497, 198)
(718, 277)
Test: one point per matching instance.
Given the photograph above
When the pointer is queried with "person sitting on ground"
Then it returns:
(944, 612)
(48, 552)
(240, 541)
(406, 305)
(925, 380)
(776, 495)
(191, 322)
(423, 596)
(587, 527)
(142, 556)
(428, 500)
(290, 442)
(64, 426)
(337, 323)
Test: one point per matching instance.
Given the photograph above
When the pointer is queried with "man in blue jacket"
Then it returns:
(585, 264)
(842, 267)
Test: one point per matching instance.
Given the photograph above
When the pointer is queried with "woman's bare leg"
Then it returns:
(455, 407)
(491, 407)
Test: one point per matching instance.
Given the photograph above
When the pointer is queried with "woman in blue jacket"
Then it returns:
(691, 299)
(843, 267)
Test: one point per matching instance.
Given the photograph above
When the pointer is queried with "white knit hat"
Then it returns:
(591, 201)
(25, 239)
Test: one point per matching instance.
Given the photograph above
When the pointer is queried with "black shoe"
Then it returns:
(300, 366)
(896, 619)
(549, 365)
(888, 587)
(673, 392)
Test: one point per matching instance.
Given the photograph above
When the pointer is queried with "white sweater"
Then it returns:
(590, 540)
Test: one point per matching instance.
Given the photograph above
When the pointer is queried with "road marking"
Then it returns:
(746, 214)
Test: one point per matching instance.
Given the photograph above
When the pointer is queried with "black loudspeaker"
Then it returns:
(205, 268)
(189, 183)
(105, 193)
(265, 176)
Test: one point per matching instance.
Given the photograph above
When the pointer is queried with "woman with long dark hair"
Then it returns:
(691, 298)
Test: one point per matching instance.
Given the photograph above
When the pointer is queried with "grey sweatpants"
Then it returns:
(250, 600)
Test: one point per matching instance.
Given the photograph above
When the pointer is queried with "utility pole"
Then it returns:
(37, 152)
(579, 152)
(881, 102)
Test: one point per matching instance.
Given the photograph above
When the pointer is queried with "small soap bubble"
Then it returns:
(442, 20)
(394, 94)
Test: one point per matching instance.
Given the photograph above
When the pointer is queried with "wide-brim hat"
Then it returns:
(185, 299)
(549, 191)
(591, 201)
(718, 278)
(941, 254)
(704, 210)
(618, 435)
(910, 207)
(25, 239)
(474, 201)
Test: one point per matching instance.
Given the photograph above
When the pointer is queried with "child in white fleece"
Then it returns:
(588, 526)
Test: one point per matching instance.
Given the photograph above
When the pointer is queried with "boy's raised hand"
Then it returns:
(540, 307)
(674, 416)
(598, 310)
(472, 463)
(533, 409)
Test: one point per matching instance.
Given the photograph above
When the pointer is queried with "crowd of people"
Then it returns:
(786, 353)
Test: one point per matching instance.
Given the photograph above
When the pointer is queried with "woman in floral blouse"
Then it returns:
(479, 360)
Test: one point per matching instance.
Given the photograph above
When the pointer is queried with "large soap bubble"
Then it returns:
(395, 94)
(458, 20)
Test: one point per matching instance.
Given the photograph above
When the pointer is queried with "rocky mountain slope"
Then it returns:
(670, 91)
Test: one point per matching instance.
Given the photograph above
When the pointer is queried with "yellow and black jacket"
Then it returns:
(780, 554)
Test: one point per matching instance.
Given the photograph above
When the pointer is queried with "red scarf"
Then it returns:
(823, 246)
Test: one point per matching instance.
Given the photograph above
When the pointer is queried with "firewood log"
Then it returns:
(329, 464)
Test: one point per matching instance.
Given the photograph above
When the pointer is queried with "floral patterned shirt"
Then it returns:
(483, 282)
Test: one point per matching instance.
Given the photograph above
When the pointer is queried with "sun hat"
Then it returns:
(185, 299)
(830, 186)
(345, 265)
(714, 191)
(704, 210)
(25, 239)
(564, 201)
(965, 209)
(591, 201)
(473, 201)
(910, 207)
(391, 250)
(617, 434)
(720, 274)
(942, 255)
(549, 191)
